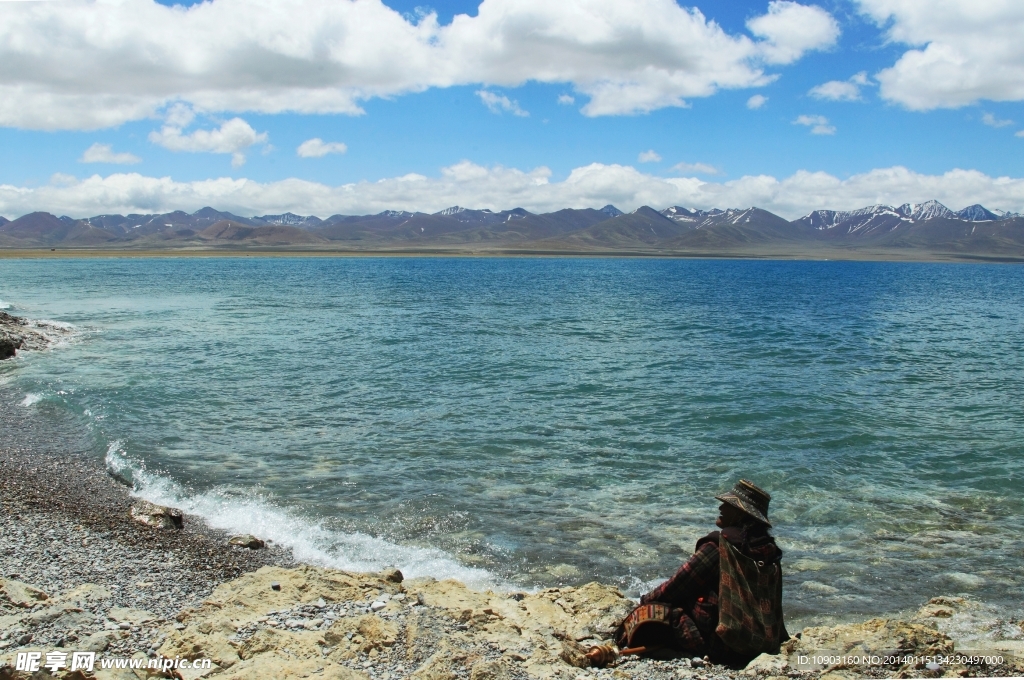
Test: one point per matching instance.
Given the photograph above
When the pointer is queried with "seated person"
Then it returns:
(732, 619)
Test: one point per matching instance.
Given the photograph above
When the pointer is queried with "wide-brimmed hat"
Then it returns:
(750, 498)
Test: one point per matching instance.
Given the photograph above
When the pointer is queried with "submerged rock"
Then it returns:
(157, 516)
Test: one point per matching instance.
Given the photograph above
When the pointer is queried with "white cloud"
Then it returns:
(500, 188)
(1019, 133)
(992, 121)
(698, 168)
(818, 124)
(836, 90)
(566, 99)
(317, 148)
(104, 153)
(82, 64)
(757, 101)
(791, 29)
(179, 115)
(497, 103)
(963, 51)
(650, 156)
(841, 90)
(233, 137)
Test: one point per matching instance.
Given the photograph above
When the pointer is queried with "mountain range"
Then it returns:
(929, 227)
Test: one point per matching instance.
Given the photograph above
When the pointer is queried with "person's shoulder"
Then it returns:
(710, 538)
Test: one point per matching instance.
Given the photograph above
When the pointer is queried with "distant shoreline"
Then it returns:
(852, 255)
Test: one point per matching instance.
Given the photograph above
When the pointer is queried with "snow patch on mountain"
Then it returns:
(929, 210)
(876, 216)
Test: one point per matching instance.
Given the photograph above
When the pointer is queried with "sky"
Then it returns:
(357, 106)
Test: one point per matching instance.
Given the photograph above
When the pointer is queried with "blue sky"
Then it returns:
(486, 127)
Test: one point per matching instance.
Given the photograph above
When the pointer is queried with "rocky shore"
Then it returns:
(80, 574)
(80, 571)
(17, 334)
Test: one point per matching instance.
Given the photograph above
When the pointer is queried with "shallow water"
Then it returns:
(544, 421)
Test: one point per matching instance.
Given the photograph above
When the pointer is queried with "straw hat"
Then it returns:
(750, 498)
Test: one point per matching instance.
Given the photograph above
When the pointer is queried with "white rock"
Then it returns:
(768, 663)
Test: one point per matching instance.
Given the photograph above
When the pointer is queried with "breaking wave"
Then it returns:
(310, 540)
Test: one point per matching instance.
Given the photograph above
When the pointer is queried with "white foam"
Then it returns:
(31, 398)
(310, 540)
(4, 305)
(965, 580)
(63, 325)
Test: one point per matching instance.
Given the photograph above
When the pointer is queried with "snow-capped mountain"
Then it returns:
(703, 219)
(288, 220)
(876, 219)
(929, 210)
(677, 213)
(977, 213)
(927, 226)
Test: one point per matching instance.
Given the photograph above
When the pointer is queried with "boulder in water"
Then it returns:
(8, 347)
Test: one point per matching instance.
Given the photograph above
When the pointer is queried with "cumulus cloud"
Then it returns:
(836, 90)
(233, 137)
(499, 188)
(818, 124)
(80, 64)
(698, 168)
(104, 153)
(317, 148)
(841, 90)
(566, 99)
(790, 29)
(963, 51)
(757, 101)
(992, 121)
(498, 103)
(650, 156)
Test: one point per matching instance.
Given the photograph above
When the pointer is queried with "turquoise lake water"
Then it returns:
(536, 422)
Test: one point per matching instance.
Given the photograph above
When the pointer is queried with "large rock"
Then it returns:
(879, 638)
(157, 516)
(98, 642)
(21, 594)
(8, 347)
(435, 629)
(86, 595)
(247, 541)
(489, 670)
